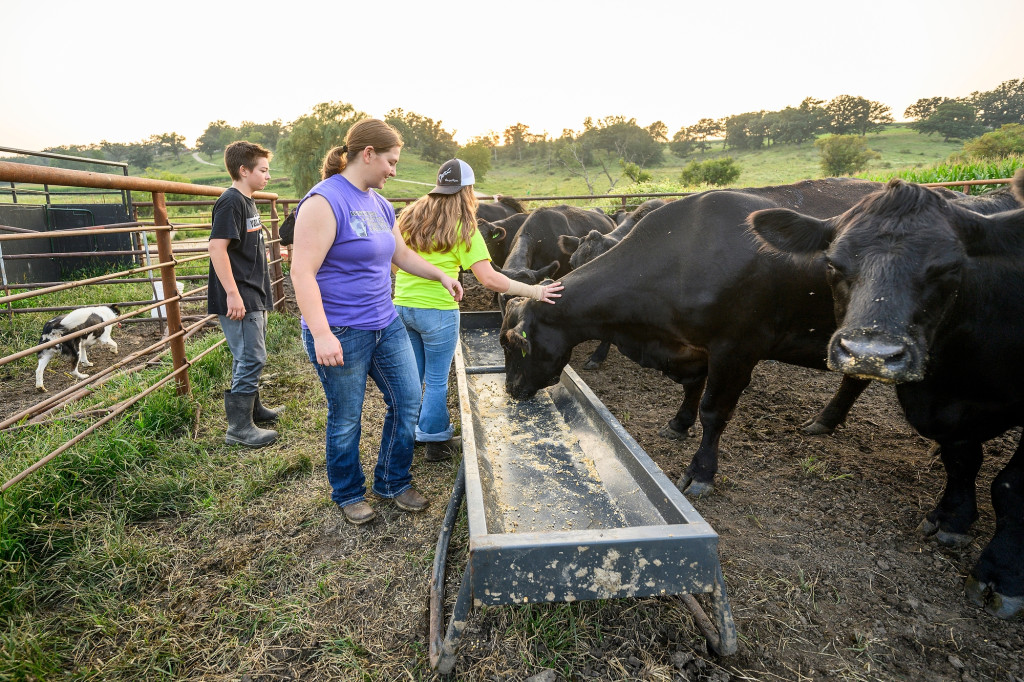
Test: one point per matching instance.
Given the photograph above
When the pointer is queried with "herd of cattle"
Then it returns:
(917, 287)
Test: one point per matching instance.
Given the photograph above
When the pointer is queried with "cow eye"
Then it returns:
(946, 269)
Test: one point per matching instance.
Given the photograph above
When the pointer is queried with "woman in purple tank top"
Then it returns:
(345, 243)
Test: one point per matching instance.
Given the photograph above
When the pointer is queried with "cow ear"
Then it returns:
(490, 231)
(997, 235)
(1018, 186)
(780, 229)
(594, 234)
(568, 244)
(547, 271)
(515, 339)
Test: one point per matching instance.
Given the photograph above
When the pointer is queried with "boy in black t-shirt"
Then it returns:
(239, 291)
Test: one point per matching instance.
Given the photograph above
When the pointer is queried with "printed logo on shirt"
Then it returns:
(365, 222)
(252, 224)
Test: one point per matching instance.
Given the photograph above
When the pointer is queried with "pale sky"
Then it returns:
(78, 72)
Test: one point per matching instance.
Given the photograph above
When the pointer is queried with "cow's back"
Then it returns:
(536, 243)
(695, 272)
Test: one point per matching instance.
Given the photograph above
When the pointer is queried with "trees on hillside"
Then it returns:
(850, 114)
(746, 131)
(844, 154)
(309, 139)
(967, 117)
(424, 135)
(1001, 105)
(478, 156)
(952, 119)
(219, 134)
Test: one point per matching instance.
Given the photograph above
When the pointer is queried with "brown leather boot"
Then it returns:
(358, 513)
(411, 501)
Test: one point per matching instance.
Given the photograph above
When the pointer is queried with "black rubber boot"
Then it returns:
(440, 451)
(241, 430)
(262, 414)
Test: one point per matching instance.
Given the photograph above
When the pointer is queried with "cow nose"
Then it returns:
(871, 356)
(887, 352)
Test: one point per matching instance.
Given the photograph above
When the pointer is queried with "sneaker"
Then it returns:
(411, 501)
(358, 513)
(440, 451)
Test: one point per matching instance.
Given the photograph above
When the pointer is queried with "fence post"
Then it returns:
(167, 276)
(277, 272)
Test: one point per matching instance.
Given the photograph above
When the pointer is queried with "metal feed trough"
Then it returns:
(563, 505)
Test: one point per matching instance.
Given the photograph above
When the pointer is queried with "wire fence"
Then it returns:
(174, 263)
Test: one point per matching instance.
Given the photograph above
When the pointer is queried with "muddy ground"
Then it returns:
(826, 570)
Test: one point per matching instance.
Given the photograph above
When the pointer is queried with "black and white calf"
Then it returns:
(64, 325)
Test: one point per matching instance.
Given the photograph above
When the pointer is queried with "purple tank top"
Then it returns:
(355, 277)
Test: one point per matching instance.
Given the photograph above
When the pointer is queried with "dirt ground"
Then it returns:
(827, 574)
(17, 379)
(826, 570)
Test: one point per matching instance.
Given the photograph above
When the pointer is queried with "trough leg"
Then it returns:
(720, 634)
(446, 651)
(442, 653)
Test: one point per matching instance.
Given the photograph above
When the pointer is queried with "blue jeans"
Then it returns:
(385, 356)
(433, 334)
(247, 340)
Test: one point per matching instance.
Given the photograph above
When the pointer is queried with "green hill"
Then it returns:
(899, 146)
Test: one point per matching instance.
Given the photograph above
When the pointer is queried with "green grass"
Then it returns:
(80, 568)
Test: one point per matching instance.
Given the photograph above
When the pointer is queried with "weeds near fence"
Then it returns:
(956, 171)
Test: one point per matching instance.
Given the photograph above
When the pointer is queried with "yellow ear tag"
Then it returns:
(524, 350)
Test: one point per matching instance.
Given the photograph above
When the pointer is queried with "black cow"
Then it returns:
(501, 207)
(499, 234)
(688, 292)
(930, 296)
(591, 245)
(535, 253)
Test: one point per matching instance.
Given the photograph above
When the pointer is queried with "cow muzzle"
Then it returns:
(880, 356)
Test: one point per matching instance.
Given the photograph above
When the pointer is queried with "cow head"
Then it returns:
(590, 247)
(494, 238)
(535, 353)
(895, 262)
(526, 276)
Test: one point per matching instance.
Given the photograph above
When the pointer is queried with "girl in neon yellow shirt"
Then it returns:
(441, 227)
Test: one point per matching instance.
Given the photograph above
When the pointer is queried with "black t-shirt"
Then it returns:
(235, 217)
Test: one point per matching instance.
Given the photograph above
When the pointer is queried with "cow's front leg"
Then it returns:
(599, 355)
(838, 407)
(679, 426)
(997, 580)
(950, 521)
(727, 377)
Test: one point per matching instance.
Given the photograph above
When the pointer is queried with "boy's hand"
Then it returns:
(236, 309)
